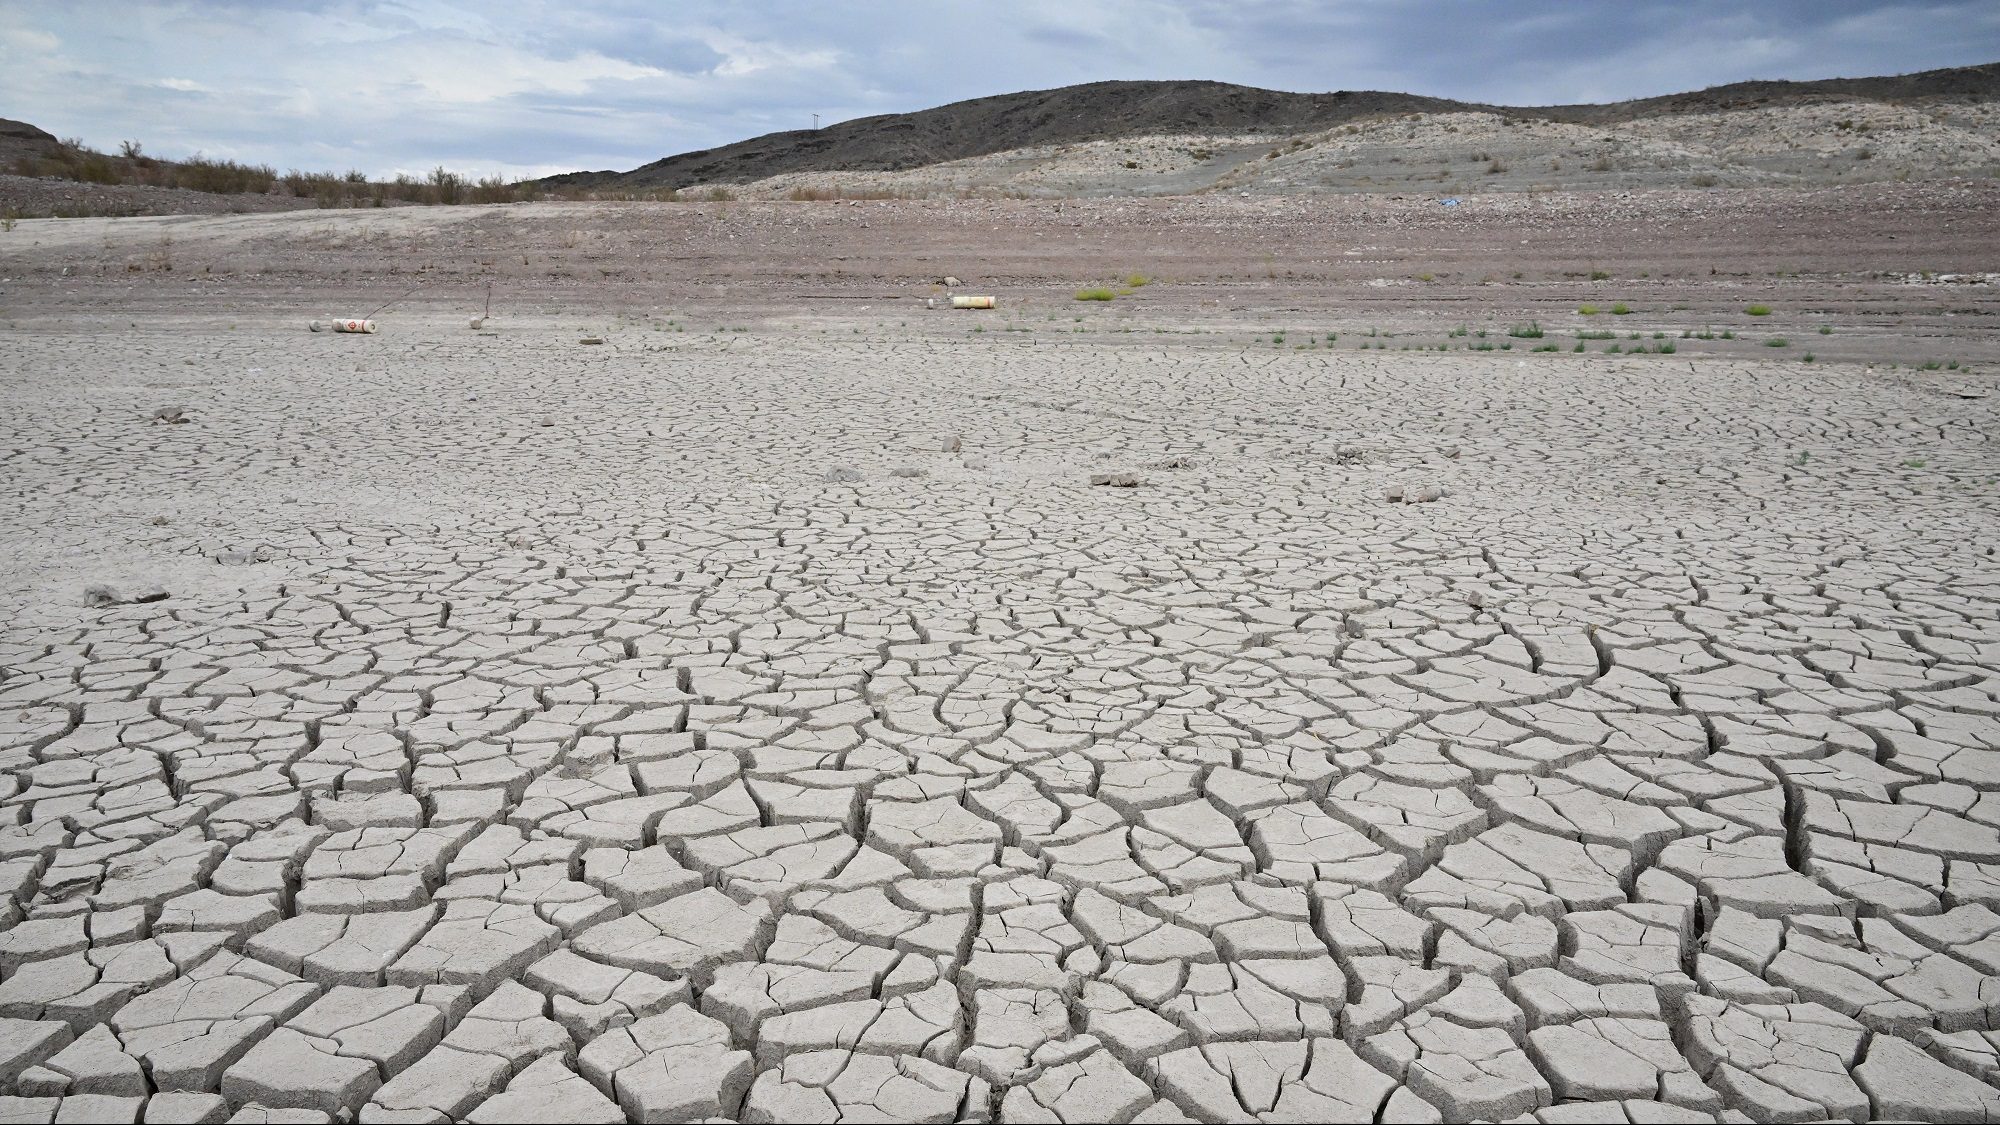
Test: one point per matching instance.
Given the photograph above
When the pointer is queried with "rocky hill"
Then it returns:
(1171, 137)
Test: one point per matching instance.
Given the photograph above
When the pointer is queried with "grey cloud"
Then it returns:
(547, 86)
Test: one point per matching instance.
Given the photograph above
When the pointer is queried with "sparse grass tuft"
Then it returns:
(1758, 310)
(1777, 342)
(1586, 310)
(1621, 309)
(1137, 281)
(1529, 331)
(1097, 294)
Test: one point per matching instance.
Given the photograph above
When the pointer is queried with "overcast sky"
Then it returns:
(536, 87)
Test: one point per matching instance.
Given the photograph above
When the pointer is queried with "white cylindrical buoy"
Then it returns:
(352, 324)
(972, 302)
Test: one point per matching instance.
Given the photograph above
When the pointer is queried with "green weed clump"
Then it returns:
(1758, 310)
(1096, 294)
(1531, 331)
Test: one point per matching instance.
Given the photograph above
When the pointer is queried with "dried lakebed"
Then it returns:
(535, 732)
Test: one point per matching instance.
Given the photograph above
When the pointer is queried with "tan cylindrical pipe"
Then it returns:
(972, 302)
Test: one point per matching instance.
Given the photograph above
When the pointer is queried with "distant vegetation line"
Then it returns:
(71, 159)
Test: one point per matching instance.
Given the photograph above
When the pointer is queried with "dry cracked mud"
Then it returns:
(537, 732)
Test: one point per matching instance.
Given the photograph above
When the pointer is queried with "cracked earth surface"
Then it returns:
(534, 732)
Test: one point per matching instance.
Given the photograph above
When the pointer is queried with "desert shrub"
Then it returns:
(446, 186)
(1777, 342)
(223, 177)
(1758, 310)
(492, 189)
(1529, 331)
(1097, 294)
(1586, 310)
(1621, 309)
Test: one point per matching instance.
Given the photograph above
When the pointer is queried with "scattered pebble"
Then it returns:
(102, 595)
(1410, 494)
(952, 443)
(591, 340)
(171, 415)
(1115, 480)
(907, 472)
(841, 475)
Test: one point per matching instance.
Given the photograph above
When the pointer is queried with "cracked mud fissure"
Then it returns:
(537, 732)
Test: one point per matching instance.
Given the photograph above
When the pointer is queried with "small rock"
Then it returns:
(591, 340)
(548, 419)
(1177, 461)
(171, 415)
(1393, 494)
(315, 326)
(158, 521)
(952, 443)
(1115, 480)
(841, 475)
(952, 283)
(102, 595)
(1450, 451)
(974, 462)
(907, 472)
(1430, 493)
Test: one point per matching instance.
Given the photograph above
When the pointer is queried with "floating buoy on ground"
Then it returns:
(353, 324)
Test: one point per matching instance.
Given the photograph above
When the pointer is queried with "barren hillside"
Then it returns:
(1162, 138)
